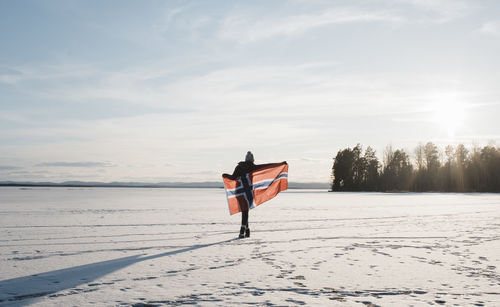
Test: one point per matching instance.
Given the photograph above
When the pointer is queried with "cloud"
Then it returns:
(45, 72)
(68, 92)
(8, 168)
(293, 99)
(144, 85)
(75, 164)
(198, 173)
(245, 28)
(312, 160)
(443, 10)
(10, 75)
(491, 27)
(248, 29)
(170, 14)
(12, 116)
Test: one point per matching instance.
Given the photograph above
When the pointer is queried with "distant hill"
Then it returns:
(204, 184)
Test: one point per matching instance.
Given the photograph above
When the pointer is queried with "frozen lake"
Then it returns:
(126, 246)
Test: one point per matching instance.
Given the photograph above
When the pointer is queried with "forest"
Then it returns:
(426, 169)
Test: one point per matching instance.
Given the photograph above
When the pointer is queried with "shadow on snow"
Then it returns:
(21, 290)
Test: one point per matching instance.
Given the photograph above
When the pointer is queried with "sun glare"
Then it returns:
(449, 115)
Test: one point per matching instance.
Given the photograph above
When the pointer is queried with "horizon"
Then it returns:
(221, 184)
(180, 91)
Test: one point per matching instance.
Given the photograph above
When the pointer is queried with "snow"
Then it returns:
(126, 246)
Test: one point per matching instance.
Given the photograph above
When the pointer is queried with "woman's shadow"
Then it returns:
(23, 290)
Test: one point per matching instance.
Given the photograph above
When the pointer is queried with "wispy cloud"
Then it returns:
(17, 74)
(171, 13)
(8, 167)
(83, 86)
(491, 27)
(247, 29)
(9, 75)
(443, 10)
(312, 160)
(185, 23)
(75, 164)
(304, 88)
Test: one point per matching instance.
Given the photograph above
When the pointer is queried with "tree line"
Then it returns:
(454, 169)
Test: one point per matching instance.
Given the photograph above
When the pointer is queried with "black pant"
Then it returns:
(244, 218)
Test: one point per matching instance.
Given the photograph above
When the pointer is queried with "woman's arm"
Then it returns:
(234, 175)
(261, 166)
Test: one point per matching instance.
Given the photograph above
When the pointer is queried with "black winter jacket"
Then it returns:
(245, 167)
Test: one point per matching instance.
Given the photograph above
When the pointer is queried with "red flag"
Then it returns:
(252, 189)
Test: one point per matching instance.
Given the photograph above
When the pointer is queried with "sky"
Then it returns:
(157, 91)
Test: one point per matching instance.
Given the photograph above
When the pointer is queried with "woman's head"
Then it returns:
(249, 157)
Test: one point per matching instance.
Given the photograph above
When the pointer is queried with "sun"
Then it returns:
(449, 114)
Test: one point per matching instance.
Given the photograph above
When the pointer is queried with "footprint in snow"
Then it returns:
(298, 277)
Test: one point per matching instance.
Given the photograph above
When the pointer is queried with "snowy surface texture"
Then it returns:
(112, 247)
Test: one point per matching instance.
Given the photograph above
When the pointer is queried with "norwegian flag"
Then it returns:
(252, 189)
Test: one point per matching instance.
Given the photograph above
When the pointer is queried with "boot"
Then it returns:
(247, 232)
(242, 231)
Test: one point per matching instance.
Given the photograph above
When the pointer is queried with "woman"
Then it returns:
(243, 168)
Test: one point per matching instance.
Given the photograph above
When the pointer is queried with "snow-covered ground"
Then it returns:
(115, 246)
